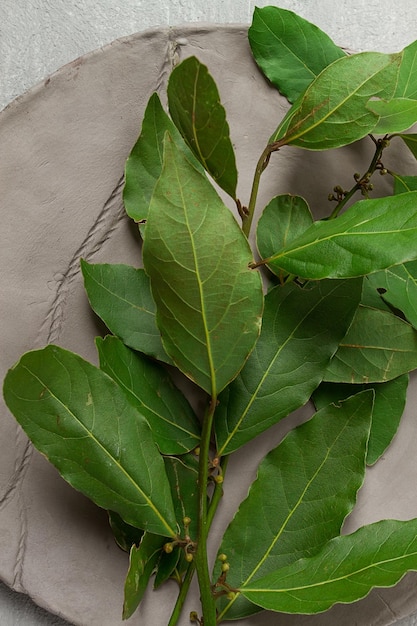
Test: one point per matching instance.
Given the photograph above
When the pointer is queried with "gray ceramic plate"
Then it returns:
(64, 144)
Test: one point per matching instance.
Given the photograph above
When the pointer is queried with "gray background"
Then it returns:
(39, 36)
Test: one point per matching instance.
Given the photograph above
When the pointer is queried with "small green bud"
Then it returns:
(197, 451)
(188, 557)
(168, 548)
(225, 567)
(218, 479)
(222, 558)
(186, 521)
(193, 617)
(231, 595)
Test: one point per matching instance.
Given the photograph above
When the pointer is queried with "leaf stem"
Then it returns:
(182, 595)
(260, 167)
(217, 494)
(363, 181)
(214, 503)
(201, 559)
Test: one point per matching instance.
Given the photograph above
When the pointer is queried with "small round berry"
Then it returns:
(168, 548)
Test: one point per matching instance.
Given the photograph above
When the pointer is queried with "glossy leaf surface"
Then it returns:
(290, 51)
(174, 426)
(301, 331)
(333, 111)
(284, 219)
(371, 298)
(397, 285)
(167, 566)
(195, 107)
(209, 302)
(346, 570)
(182, 474)
(378, 347)
(80, 419)
(304, 490)
(144, 165)
(371, 235)
(407, 77)
(396, 115)
(402, 184)
(142, 562)
(183, 477)
(121, 296)
(389, 405)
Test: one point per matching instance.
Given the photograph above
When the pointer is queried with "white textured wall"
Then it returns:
(39, 36)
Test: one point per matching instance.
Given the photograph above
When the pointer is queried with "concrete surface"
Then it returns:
(38, 36)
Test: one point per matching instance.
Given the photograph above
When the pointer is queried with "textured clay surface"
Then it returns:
(64, 144)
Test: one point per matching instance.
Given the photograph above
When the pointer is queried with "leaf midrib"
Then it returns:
(89, 434)
(119, 297)
(207, 344)
(347, 233)
(291, 513)
(323, 119)
(150, 409)
(292, 52)
(266, 374)
(333, 580)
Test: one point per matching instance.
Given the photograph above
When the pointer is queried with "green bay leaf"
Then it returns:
(174, 425)
(402, 184)
(144, 164)
(290, 51)
(121, 296)
(285, 218)
(195, 107)
(209, 303)
(303, 491)
(124, 534)
(388, 408)
(182, 472)
(371, 235)
(407, 77)
(378, 347)
(333, 111)
(81, 420)
(142, 562)
(397, 285)
(168, 566)
(395, 115)
(301, 332)
(377, 555)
